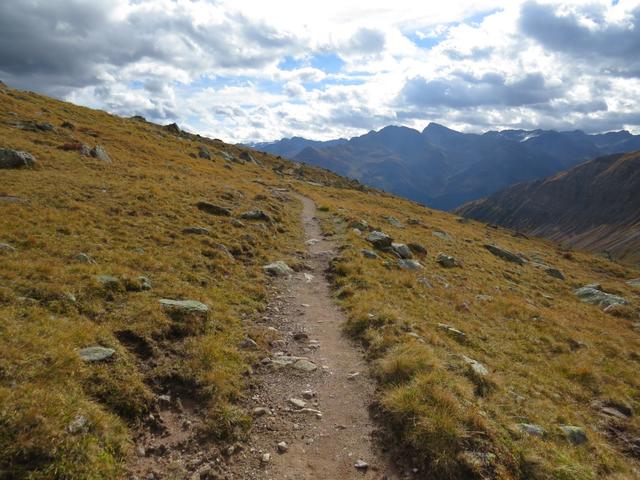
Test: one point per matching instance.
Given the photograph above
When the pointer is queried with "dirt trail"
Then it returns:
(325, 446)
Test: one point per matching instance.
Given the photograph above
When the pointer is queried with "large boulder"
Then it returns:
(16, 159)
(504, 254)
(379, 239)
(594, 295)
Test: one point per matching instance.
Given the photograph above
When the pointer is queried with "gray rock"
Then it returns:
(298, 403)
(595, 296)
(454, 332)
(417, 248)
(203, 152)
(256, 215)
(96, 354)
(246, 156)
(260, 411)
(405, 264)
(196, 231)
(16, 159)
(266, 458)
(532, 429)
(305, 365)
(574, 435)
(361, 464)
(100, 153)
(476, 367)
(278, 269)
(445, 260)
(379, 239)
(184, 307)
(442, 235)
(394, 221)
(83, 258)
(5, 247)
(554, 272)
(213, 209)
(249, 344)
(108, 281)
(140, 284)
(634, 283)
(504, 254)
(283, 447)
(369, 253)
(361, 225)
(401, 250)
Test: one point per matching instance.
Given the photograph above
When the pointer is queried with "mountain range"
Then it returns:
(444, 168)
(593, 206)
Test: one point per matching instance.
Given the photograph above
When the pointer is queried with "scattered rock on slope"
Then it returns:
(504, 254)
(408, 264)
(256, 215)
(100, 153)
(401, 250)
(16, 159)
(196, 231)
(379, 239)
(5, 247)
(278, 269)
(446, 261)
(594, 295)
(213, 209)
(573, 434)
(96, 354)
(203, 152)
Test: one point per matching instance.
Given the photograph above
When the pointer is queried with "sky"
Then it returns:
(257, 70)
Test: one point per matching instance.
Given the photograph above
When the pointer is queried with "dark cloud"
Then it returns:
(58, 45)
(616, 44)
(464, 90)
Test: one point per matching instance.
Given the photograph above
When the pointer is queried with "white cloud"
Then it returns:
(251, 70)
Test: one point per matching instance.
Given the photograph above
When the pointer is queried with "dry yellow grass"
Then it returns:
(128, 216)
(549, 356)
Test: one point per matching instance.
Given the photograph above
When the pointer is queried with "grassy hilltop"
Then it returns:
(465, 355)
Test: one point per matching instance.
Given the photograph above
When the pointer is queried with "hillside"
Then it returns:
(142, 335)
(594, 206)
(443, 168)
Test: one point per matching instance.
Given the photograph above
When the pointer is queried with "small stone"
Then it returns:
(446, 261)
(305, 365)
(476, 367)
(574, 435)
(452, 331)
(266, 458)
(369, 253)
(108, 281)
(308, 394)
(361, 464)
(184, 306)
(283, 447)
(409, 264)
(196, 231)
(401, 250)
(164, 400)
(531, 429)
(256, 215)
(394, 221)
(249, 344)
(100, 153)
(300, 336)
(278, 269)
(5, 247)
(96, 354)
(442, 235)
(634, 283)
(417, 248)
(260, 411)
(504, 254)
(353, 375)
(379, 239)
(212, 209)
(554, 272)
(84, 258)
(298, 403)
(361, 225)
(203, 152)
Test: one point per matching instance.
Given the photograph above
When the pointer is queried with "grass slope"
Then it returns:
(550, 357)
(128, 216)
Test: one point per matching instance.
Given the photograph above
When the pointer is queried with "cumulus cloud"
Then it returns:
(248, 70)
